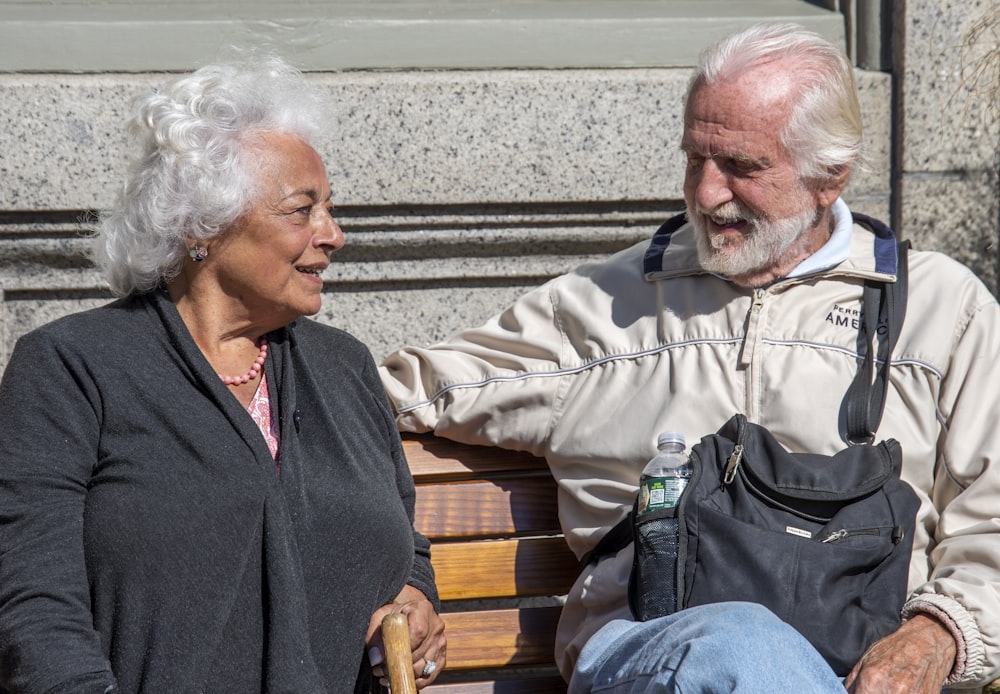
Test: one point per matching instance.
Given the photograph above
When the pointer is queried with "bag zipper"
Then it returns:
(844, 533)
(733, 464)
(736, 457)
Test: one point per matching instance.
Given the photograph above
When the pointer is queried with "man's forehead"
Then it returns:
(716, 140)
(770, 84)
(733, 119)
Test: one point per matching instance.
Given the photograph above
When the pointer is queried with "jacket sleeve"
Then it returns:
(964, 585)
(493, 385)
(51, 425)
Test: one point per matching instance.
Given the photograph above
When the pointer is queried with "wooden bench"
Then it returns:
(491, 517)
(500, 560)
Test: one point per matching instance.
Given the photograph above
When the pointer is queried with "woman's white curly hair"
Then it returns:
(824, 132)
(189, 178)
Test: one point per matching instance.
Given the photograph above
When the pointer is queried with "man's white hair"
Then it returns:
(824, 131)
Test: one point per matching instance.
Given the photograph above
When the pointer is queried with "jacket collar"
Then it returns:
(672, 252)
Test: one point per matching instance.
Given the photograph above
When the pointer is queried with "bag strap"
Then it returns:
(866, 395)
(884, 302)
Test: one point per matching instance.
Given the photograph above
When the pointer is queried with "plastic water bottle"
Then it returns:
(665, 476)
(660, 487)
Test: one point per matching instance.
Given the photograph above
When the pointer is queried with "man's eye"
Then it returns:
(745, 166)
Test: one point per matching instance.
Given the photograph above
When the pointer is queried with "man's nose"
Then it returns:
(712, 186)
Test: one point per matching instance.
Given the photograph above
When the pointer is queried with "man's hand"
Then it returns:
(915, 659)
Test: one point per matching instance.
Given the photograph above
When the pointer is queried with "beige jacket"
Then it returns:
(589, 368)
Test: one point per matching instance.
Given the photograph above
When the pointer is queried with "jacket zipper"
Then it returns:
(752, 337)
(749, 353)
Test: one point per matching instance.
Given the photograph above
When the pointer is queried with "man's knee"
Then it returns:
(748, 624)
(732, 646)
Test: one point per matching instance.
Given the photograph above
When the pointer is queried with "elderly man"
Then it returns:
(740, 309)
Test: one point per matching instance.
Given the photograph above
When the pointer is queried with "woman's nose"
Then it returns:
(329, 237)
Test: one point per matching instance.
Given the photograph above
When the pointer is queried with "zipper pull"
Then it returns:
(835, 535)
(733, 464)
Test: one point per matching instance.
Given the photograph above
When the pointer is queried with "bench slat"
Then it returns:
(542, 685)
(431, 456)
(480, 510)
(524, 567)
(494, 638)
(492, 518)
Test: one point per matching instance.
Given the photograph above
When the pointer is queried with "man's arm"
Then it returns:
(491, 385)
(961, 597)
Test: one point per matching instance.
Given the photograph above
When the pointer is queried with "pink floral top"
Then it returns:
(260, 410)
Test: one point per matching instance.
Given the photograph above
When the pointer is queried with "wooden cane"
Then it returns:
(398, 656)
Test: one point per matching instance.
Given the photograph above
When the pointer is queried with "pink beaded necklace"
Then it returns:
(258, 364)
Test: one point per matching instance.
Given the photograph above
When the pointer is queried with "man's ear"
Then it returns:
(830, 188)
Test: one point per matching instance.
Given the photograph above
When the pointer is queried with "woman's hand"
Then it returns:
(427, 640)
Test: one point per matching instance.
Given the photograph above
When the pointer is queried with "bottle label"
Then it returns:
(657, 493)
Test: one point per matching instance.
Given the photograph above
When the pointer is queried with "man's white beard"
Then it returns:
(762, 248)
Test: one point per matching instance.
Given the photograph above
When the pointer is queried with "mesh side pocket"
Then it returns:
(656, 568)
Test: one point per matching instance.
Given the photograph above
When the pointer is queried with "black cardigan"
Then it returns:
(146, 537)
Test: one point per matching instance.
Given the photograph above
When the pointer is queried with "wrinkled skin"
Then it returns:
(915, 659)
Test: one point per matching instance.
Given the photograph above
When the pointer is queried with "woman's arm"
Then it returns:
(418, 599)
(49, 435)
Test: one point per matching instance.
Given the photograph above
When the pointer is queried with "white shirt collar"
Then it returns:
(836, 249)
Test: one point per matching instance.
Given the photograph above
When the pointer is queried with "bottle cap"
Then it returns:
(670, 437)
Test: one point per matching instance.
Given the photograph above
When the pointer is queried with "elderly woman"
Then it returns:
(200, 490)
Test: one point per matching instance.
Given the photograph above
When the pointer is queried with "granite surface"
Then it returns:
(409, 138)
(946, 185)
(948, 87)
(457, 189)
(957, 216)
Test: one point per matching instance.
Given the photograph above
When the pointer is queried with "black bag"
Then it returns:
(823, 541)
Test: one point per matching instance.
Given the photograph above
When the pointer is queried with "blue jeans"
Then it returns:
(732, 647)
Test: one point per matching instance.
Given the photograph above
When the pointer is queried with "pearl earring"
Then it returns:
(198, 253)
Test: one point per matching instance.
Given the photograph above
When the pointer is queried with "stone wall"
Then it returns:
(945, 167)
(460, 189)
